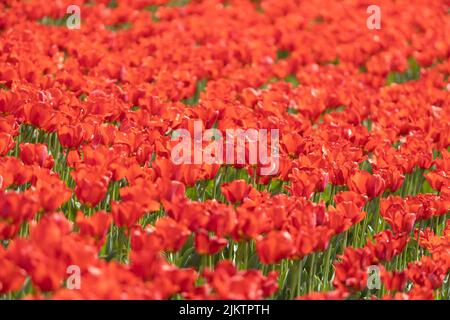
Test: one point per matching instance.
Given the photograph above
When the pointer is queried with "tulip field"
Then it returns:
(123, 175)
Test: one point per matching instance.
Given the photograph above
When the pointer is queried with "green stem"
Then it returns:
(327, 268)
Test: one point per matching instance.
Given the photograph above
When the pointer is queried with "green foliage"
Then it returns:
(412, 73)
(56, 22)
(113, 4)
(178, 3)
(200, 87)
(153, 9)
(292, 79)
(283, 54)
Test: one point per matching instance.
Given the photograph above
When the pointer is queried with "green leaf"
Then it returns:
(153, 9)
(412, 73)
(56, 22)
(119, 26)
(282, 54)
(113, 4)
(178, 3)
(192, 101)
(292, 79)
